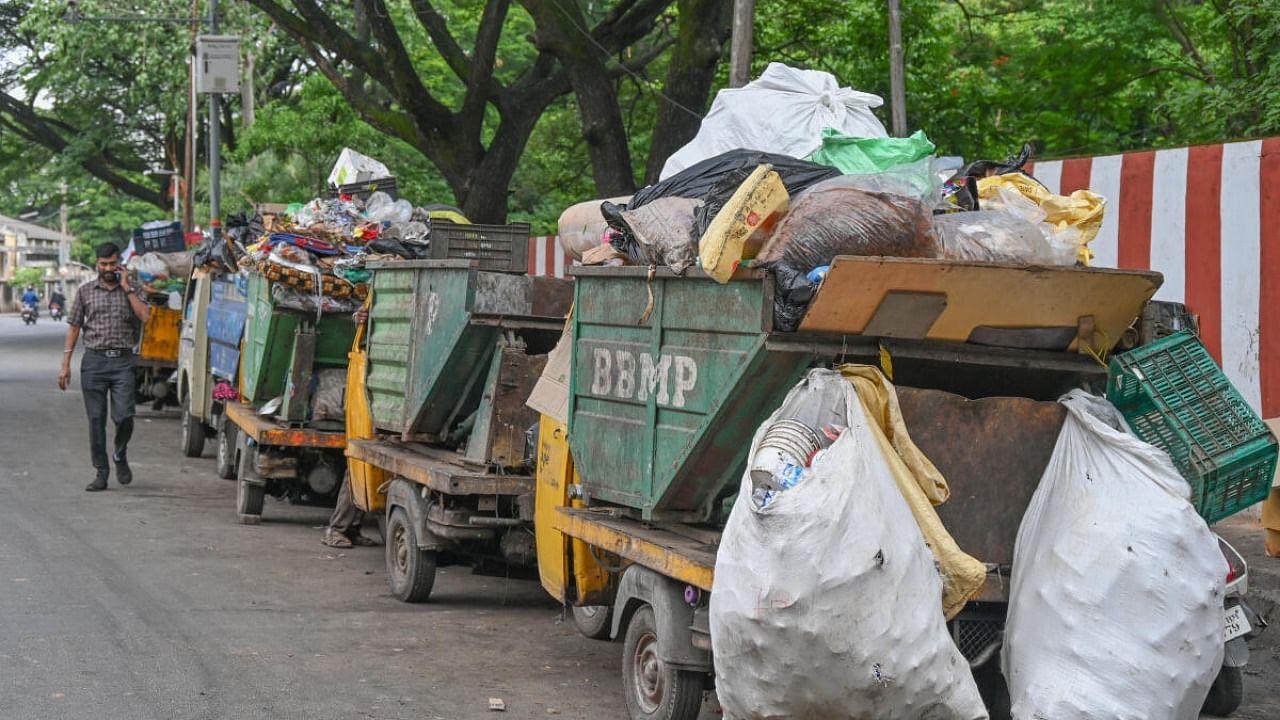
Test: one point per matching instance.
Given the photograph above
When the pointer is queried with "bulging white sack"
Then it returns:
(1115, 608)
(827, 600)
(783, 111)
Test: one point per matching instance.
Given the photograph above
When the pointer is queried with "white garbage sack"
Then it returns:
(783, 111)
(353, 167)
(827, 600)
(1115, 609)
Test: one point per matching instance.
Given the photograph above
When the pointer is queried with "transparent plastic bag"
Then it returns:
(996, 236)
(917, 180)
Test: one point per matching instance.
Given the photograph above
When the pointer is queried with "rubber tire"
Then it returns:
(249, 496)
(192, 435)
(594, 621)
(682, 696)
(411, 571)
(1226, 693)
(226, 450)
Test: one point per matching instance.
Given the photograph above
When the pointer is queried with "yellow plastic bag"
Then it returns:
(1074, 218)
(921, 484)
(366, 480)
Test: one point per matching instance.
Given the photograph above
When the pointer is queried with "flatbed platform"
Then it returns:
(437, 469)
(689, 557)
(266, 431)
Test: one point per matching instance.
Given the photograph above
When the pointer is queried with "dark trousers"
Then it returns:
(346, 518)
(102, 379)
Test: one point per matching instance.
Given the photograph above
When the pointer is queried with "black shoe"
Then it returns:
(124, 475)
(98, 485)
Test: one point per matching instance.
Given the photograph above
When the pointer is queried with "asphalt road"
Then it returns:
(152, 601)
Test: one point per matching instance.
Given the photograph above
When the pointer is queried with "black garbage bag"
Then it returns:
(408, 251)
(226, 248)
(1013, 163)
(792, 293)
(714, 181)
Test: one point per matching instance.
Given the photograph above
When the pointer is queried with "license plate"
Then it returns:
(1235, 623)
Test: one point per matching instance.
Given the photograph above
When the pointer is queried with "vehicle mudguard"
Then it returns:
(674, 616)
(1235, 653)
(407, 495)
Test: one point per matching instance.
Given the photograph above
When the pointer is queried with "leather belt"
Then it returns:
(112, 352)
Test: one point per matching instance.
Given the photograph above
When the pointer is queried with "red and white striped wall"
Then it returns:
(1208, 218)
(546, 257)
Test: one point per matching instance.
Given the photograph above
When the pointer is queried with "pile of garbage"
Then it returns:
(791, 170)
(315, 253)
(162, 276)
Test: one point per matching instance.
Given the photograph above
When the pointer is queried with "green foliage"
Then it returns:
(22, 277)
(287, 154)
(983, 76)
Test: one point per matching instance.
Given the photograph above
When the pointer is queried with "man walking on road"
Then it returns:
(110, 314)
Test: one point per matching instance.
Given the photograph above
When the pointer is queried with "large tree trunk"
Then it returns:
(559, 31)
(704, 27)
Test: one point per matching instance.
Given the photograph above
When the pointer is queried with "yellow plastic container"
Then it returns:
(160, 335)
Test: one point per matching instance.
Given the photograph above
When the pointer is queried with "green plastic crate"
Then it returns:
(1175, 397)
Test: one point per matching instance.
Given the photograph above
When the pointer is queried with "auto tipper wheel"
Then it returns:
(250, 492)
(192, 435)
(227, 432)
(651, 689)
(593, 621)
(411, 571)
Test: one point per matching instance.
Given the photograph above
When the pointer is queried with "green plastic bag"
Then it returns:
(862, 156)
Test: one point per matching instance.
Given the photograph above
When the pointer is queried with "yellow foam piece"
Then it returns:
(739, 230)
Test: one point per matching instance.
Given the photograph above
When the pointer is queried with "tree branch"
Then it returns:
(438, 30)
(37, 129)
(480, 81)
(395, 124)
(1164, 9)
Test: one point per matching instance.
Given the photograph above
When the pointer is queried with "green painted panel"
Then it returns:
(427, 358)
(390, 341)
(268, 339)
(679, 396)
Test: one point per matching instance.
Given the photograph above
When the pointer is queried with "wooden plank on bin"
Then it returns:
(266, 431)
(981, 295)
(679, 558)
(436, 469)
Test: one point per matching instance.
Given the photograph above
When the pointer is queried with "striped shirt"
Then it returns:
(105, 317)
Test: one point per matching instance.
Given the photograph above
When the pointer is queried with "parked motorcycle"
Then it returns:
(29, 314)
(1241, 625)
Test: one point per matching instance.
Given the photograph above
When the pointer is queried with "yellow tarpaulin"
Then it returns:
(366, 480)
(1076, 217)
(921, 484)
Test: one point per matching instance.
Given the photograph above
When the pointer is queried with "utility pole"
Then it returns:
(744, 21)
(215, 145)
(897, 82)
(193, 129)
(247, 101)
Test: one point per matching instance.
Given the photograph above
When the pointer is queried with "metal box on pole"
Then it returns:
(218, 64)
